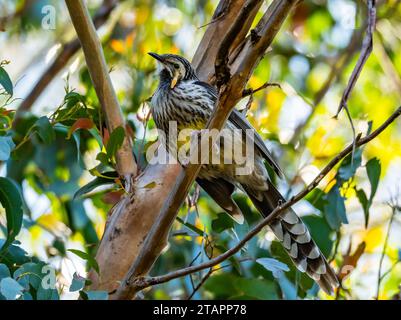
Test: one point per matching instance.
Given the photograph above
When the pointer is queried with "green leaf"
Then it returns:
(44, 129)
(78, 283)
(10, 288)
(257, 288)
(363, 200)
(47, 294)
(77, 139)
(14, 255)
(6, 146)
(222, 222)
(288, 288)
(273, 265)
(150, 185)
(97, 295)
(86, 256)
(222, 285)
(191, 227)
(295, 276)
(30, 274)
(115, 141)
(5, 81)
(4, 272)
(317, 199)
(373, 169)
(349, 165)
(27, 296)
(98, 181)
(59, 245)
(72, 98)
(103, 158)
(96, 135)
(334, 210)
(320, 232)
(11, 200)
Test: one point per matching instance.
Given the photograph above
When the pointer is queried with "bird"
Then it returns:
(182, 98)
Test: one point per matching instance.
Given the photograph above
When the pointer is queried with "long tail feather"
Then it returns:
(295, 238)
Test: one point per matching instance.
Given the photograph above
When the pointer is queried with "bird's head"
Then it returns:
(174, 68)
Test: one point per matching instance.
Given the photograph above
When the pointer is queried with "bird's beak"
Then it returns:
(174, 80)
(156, 56)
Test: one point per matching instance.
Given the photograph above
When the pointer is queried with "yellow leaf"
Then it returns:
(117, 46)
(274, 101)
(373, 238)
(150, 185)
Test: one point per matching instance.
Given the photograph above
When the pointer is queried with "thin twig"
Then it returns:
(367, 47)
(341, 61)
(250, 91)
(383, 253)
(201, 283)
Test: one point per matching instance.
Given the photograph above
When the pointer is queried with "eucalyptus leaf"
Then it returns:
(11, 200)
(107, 178)
(350, 164)
(273, 265)
(4, 272)
(10, 288)
(6, 146)
(86, 256)
(222, 222)
(334, 210)
(97, 295)
(44, 129)
(373, 168)
(115, 141)
(77, 283)
(5, 81)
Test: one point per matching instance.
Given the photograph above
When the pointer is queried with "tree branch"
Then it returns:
(98, 71)
(230, 94)
(221, 64)
(223, 18)
(143, 282)
(367, 47)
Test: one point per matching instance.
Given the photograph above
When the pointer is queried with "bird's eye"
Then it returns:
(176, 66)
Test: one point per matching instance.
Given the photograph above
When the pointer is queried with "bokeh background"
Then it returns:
(311, 58)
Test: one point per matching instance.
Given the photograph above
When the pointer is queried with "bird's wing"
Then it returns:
(221, 190)
(240, 122)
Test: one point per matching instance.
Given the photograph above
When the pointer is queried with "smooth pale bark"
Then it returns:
(99, 73)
